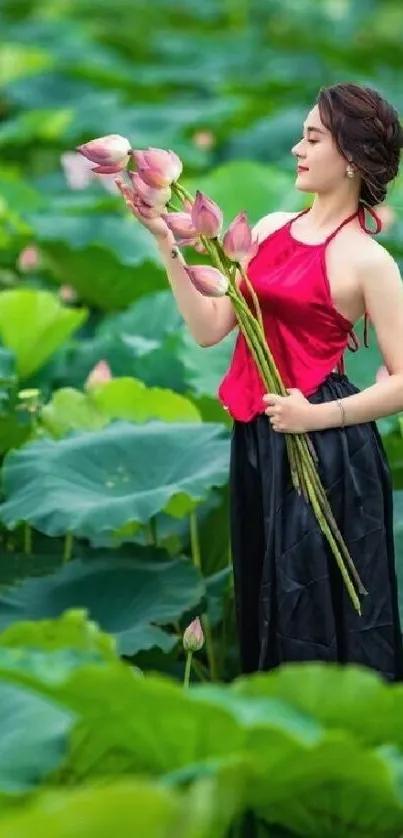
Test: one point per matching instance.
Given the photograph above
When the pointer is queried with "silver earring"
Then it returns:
(350, 171)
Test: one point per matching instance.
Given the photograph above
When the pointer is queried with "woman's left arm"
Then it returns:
(383, 294)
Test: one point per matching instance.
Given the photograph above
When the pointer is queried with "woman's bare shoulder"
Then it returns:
(270, 223)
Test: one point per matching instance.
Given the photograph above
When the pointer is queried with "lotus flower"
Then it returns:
(111, 153)
(158, 167)
(100, 374)
(29, 258)
(206, 216)
(209, 281)
(238, 243)
(77, 169)
(148, 194)
(180, 224)
(67, 293)
(193, 638)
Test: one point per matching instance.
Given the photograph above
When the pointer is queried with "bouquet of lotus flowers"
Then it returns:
(153, 187)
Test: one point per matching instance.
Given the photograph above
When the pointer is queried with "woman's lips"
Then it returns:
(302, 169)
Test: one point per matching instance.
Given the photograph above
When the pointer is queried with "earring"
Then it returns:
(350, 171)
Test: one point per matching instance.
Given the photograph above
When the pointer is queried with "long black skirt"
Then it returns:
(291, 602)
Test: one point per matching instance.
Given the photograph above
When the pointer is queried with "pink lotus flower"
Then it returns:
(67, 294)
(238, 243)
(206, 216)
(100, 374)
(148, 194)
(382, 374)
(203, 139)
(29, 258)
(209, 281)
(180, 224)
(193, 638)
(158, 167)
(77, 170)
(110, 154)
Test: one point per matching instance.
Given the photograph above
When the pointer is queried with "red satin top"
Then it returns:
(306, 334)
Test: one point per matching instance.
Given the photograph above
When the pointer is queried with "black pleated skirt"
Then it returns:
(291, 602)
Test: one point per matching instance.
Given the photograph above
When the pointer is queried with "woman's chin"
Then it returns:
(302, 183)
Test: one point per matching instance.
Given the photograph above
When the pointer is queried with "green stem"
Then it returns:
(208, 635)
(68, 547)
(152, 532)
(188, 667)
(27, 540)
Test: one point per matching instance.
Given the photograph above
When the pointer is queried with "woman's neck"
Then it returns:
(328, 211)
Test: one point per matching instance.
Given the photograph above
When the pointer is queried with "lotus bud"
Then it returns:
(100, 374)
(193, 638)
(158, 167)
(206, 216)
(148, 194)
(28, 259)
(110, 154)
(382, 374)
(208, 281)
(187, 205)
(180, 224)
(238, 241)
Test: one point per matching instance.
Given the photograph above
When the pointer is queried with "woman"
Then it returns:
(316, 273)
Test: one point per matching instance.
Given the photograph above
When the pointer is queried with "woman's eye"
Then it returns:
(313, 142)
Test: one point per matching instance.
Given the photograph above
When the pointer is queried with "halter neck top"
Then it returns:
(306, 334)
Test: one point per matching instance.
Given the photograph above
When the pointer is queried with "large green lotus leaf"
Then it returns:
(146, 323)
(70, 410)
(127, 808)
(352, 792)
(72, 630)
(330, 773)
(34, 324)
(126, 398)
(130, 808)
(348, 698)
(33, 738)
(149, 721)
(128, 598)
(94, 482)
(109, 259)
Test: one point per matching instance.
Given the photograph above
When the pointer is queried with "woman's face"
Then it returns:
(320, 166)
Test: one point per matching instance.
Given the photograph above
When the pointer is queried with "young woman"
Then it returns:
(316, 274)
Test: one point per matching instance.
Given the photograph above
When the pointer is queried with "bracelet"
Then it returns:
(343, 412)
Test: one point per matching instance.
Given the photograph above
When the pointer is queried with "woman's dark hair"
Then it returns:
(367, 132)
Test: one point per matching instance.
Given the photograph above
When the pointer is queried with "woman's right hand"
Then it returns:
(156, 226)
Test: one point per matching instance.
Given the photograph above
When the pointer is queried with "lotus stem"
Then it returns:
(68, 547)
(208, 635)
(27, 539)
(188, 667)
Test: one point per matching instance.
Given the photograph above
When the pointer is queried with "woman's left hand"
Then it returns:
(292, 414)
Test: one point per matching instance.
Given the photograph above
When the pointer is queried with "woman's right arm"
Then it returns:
(209, 319)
